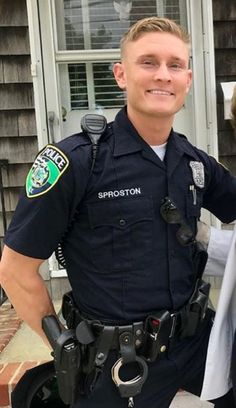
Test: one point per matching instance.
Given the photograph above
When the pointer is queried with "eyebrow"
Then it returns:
(172, 57)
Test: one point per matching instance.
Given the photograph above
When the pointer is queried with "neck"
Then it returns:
(154, 130)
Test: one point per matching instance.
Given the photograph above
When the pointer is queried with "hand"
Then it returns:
(203, 233)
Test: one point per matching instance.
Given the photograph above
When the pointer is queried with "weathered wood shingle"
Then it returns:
(14, 41)
(19, 149)
(13, 13)
(15, 69)
(17, 123)
(225, 34)
(14, 174)
(225, 62)
(224, 11)
(16, 96)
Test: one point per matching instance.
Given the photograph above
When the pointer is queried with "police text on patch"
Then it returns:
(56, 157)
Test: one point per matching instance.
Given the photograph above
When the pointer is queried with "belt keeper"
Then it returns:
(104, 345)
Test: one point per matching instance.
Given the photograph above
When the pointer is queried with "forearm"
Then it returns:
(27, 292)
(31, 304)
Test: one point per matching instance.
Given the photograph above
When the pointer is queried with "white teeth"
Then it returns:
(158, 92)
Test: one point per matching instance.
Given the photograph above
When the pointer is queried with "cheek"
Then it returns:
(182, 88)
(136, 76)
(136, 82)
(134, 89)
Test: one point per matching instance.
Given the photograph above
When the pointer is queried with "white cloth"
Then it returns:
(217, 381)
(218, 249)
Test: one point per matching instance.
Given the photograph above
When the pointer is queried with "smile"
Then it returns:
(160, 92)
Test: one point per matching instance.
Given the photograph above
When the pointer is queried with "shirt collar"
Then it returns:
(127, 140)
(180, 143)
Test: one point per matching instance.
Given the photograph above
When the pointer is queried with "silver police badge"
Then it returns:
(198, 173)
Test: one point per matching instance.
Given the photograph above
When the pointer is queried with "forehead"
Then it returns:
(156, 44)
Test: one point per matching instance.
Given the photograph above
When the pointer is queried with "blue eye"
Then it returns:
(148, 63)
(176, 67)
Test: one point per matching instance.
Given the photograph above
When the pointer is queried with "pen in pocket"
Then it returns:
(194, 193)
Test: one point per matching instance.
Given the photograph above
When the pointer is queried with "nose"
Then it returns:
(162, 73)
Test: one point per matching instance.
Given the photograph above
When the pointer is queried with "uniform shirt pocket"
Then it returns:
(121, 233)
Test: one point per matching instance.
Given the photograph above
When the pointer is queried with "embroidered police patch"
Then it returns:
(48, 167)
(198, 173)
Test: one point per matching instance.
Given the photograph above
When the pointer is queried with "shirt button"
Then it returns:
(122, 222)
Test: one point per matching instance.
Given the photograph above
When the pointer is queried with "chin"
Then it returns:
(162, 113)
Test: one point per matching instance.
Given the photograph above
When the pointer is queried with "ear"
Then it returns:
(119, 74)
(189, 80)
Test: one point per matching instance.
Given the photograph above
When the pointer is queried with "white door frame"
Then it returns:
(37, 73)
(201, 28)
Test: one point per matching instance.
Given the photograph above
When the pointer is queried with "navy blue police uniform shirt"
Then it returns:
(123, 260)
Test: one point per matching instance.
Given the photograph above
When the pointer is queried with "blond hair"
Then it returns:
(150, 25)
(233, 109)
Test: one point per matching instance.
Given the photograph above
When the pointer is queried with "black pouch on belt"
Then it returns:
(157, 333)
(196, 308)
(69, 310)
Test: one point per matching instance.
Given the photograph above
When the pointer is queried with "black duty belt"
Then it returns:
(160, 326)
(139, 342)
(151, 336)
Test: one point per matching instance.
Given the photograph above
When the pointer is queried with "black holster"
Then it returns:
(197, 304)
(196, 308)
(66, 353)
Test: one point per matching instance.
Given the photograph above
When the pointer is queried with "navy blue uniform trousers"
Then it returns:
(182, 367)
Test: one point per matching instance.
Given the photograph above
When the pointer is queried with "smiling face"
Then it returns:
(154, 72)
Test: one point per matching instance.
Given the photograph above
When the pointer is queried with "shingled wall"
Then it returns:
(224, 15)
(18, 139)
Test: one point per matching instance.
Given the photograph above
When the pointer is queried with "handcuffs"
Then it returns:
(130, 388)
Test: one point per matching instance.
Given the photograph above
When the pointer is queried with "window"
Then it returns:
(92, 24)
(104, 94)
(87, 25)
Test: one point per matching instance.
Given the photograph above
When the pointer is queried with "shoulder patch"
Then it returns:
(46, 170)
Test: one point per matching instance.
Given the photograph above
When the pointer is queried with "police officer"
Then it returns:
(126, 223)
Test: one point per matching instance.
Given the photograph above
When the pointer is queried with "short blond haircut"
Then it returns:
(150, 25)
(233, 109)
